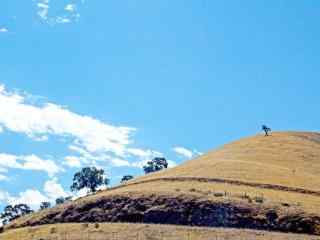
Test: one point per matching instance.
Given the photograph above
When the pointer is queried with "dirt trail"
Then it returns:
(228, 181)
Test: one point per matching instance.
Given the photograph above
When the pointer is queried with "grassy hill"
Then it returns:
(123, 231)
(266, 183)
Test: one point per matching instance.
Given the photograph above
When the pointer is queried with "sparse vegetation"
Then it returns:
(266, 129)
(12, 212)
(259, 199)
(218, 194)
(240, 171)
(124, 231)
(45, 205)
(155, 165)
(60, 200)
(126, 178)
(53, 230)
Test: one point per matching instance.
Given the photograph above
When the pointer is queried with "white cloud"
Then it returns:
(4, 30)
(117, 162)
(92, 135)
(31, 197)
(63, 20)
(142, 153)
(43, 9)
(54, 190)
(29, 162)
(92, 141)
(183, 152)
(4, 196)
(70, 7)
(52, 13)
(171, 164)
(186, 153)
(73, 161)
(3, 177)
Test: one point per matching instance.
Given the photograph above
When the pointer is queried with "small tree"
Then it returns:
(60, 200)
(89, 177)
(11, 213)
(155, 165)
(266, 129)
(45, 205)
(126, 178)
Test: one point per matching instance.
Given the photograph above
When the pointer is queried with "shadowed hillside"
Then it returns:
(268, 183)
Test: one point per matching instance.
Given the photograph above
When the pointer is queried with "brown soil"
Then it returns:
(182, 210)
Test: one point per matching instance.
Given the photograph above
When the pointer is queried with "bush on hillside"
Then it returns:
(155, 165)
(126, 178)
(12, 212)
(45, 205)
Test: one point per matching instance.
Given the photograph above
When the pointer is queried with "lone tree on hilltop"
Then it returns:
(155, 165)
(89, 177)
(126, 178)
(266, 129)
(11, 212)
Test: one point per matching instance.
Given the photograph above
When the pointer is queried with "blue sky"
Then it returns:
(115, 83)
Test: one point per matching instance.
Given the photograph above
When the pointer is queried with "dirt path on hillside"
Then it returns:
(228, 181)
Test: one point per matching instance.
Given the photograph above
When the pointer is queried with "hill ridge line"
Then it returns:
(228, 181)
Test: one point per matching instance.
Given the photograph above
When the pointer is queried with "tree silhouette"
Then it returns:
(60, 200)
(45, 205)
(266, 129)
(155, 165)
(126, 178)
(11, 212)
(89, 177)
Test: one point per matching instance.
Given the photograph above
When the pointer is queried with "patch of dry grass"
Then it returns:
(117, 231)
(285, 158)
(289, 159)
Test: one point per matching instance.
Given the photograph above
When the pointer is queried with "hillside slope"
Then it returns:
(267, 183)
(285, 158)
(122, 231)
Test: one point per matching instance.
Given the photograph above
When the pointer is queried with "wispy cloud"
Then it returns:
(28, 162)
(43, 9)
(3, 30)
(89, 140)
(50, 12)
(90, 134)
(33, 197)
(3, 177)
(186, 153)
(54, 190)
(70, 7)
(73, 161)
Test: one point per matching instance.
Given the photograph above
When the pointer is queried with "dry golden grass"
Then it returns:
(285, 158)
(121, 231)
(289, 159)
